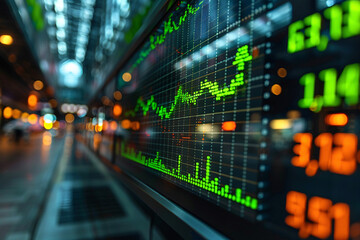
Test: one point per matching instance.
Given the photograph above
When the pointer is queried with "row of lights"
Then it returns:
(112, 125)
(58, 26)
(48, 121)
(8, 113)
(80, 110)
(332, 119)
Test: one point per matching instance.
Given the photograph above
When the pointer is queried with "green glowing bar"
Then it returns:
(204, 183)
(247, 203)
(226, 188)
(207, 169)
(313, 31)
(296, 39)
(238, 195)
(348, 84)
(197, 170)
(351, 18)
(334, 14)
(329, 77)
(308, 80)
(254, 203)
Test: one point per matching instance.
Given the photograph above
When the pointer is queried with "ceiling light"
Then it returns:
(6, 39)
(71, 67)
(59, 5)
(88, 2)
(82, 39)
(87, 13)
(60, 34)
(84, 28)
(60, 21)
(50, 16)
(62, 47)
(51, 31)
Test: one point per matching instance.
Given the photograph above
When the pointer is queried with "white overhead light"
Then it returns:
(79, 58)
(51, 31)
(82, 40)
(60, 20)
(50, 17)
(70, 73)
(84, 28)
(60, 34)
(87, 13)
(62, 47)
(71, 67)
(80, 53)
(59, 5)
(53, 45)
(88, 2)
(48, 2)
(109, 32)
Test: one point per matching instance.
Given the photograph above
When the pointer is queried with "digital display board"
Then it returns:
(251, 106)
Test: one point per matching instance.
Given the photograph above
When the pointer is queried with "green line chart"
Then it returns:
(211, 185)
(169, 27)
(213, 88)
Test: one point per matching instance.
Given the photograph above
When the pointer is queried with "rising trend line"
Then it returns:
(213, 88)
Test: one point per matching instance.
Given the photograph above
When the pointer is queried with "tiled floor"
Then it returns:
(86, 203)
(66, 191)
(25, 171)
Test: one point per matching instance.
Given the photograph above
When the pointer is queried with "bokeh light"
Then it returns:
(113, 125)
(282, 72)
(6, 39)
(24, 117)
(48, 125)
(229, 126)
(7, 113)
(126, 77)
(117, 95)
(38, 85)
(32, 119)
(135, 125)
(117, 110)
(69, 118)
(276, 89)
(32, 100)
(125, 124)
(16, 114)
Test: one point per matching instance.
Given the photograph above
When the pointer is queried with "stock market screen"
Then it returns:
(251, 107)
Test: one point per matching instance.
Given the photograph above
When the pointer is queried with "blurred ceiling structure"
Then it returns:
(78, 42)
